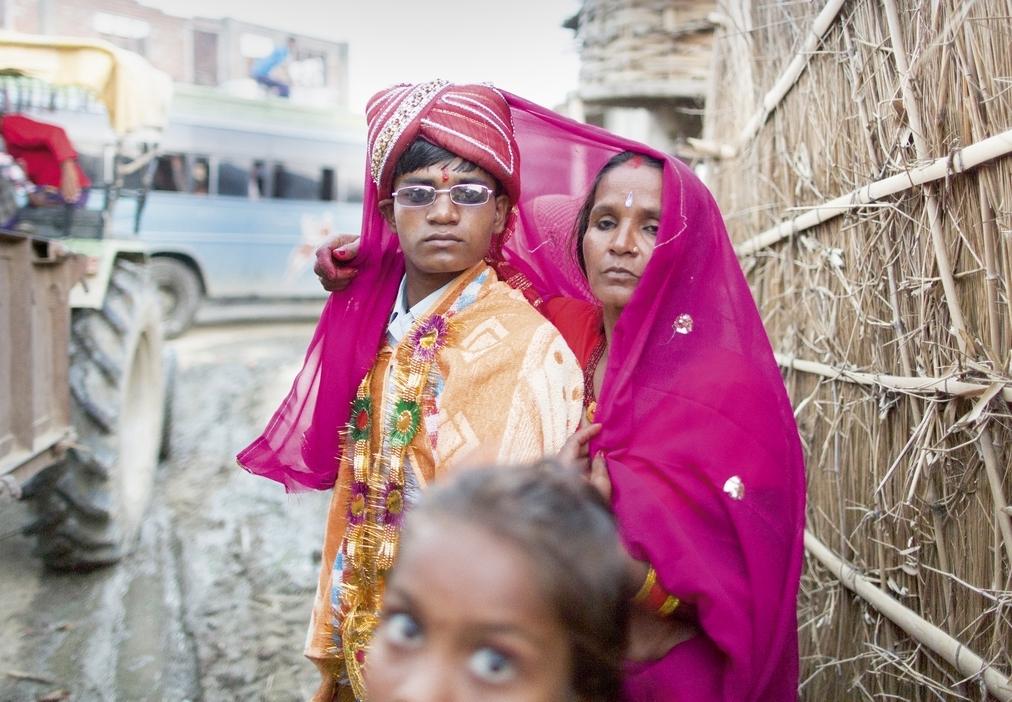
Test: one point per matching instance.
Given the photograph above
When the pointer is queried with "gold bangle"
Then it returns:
(669, 606)
(647, 586)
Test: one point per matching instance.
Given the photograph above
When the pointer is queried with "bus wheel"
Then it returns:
(91, 505)
(179, 290)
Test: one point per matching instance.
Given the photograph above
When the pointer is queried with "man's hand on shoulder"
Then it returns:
(335, 262)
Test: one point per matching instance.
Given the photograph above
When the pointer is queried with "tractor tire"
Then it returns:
(180, 293)
(90, 506)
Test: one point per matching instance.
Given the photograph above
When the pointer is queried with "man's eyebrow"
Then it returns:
(418, 180)
(474, 179)
(433, 181)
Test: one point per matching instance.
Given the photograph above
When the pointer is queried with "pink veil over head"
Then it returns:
(698, 432)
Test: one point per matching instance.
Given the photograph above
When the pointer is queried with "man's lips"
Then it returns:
(442, 238)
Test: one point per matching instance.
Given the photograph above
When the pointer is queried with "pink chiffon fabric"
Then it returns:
(698, 432)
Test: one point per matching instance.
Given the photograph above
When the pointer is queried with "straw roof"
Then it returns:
(861, 156)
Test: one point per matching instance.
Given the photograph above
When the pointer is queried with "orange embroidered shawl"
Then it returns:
(502, 387)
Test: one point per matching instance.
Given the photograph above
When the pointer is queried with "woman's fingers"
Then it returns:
(332, 262)
(586, 433)
(344, 247)
(574, 451)
(599, 477)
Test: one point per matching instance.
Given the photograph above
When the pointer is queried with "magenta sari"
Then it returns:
(698, 432)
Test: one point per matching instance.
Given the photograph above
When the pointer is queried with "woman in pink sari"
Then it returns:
(732, 564)
(697, 431)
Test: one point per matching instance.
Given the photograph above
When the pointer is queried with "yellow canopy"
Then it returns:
(136, 95)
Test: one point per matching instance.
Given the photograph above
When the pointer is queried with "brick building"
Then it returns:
(198, 50)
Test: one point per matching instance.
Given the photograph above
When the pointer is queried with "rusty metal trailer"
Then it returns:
(36, 276)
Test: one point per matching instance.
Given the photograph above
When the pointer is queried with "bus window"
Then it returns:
(258, 180)
(233, 178)
(295, 183)
(91, 163)
(200, 175)
(328, 184)
(168, 173)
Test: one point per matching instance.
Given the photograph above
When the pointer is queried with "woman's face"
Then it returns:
(463, 619)
(621, 231)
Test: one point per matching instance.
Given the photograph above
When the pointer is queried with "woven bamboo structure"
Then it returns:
(861, 151)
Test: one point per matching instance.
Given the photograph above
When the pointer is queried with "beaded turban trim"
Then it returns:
(471, 121)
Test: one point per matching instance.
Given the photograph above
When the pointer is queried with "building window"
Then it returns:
(205, 57)
(125, 32)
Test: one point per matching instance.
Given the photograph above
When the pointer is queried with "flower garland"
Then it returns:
(377, 501)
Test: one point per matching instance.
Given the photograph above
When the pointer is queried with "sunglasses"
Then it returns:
(422, 195)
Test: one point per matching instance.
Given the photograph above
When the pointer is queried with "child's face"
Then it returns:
(464, 619)
(445, 237)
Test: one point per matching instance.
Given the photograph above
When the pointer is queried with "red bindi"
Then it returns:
(636, 161)
(446, 176)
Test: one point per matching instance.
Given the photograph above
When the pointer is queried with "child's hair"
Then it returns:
(583, 218)
(422, 154)
(568, 532)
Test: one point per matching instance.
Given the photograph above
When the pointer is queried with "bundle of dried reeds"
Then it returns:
(863, 161)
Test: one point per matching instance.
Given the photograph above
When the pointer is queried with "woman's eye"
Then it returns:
(492, 666)
(651, 229)
(402, 629)
(604, 224)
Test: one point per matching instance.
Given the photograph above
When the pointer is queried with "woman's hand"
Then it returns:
(333, 262)
(599, 477)
(651, 637)
(575, 453)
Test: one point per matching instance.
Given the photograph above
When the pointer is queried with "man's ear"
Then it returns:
(386, 208)
(502, 210)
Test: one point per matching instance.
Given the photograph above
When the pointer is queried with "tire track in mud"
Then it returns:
(245, 549)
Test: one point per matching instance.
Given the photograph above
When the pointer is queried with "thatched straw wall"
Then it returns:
(907, 592)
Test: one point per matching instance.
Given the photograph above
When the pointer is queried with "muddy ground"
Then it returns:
(214, 603)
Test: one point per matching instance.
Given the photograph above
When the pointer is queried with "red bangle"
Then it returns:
(654, 597)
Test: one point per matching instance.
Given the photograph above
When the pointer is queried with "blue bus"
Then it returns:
(242, 193)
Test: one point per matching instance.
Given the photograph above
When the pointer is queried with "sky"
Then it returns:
(525, 51)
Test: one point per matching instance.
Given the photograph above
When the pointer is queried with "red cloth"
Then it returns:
(579, 323)
(41, 148)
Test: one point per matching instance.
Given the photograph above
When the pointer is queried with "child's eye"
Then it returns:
(492, 666)
(402, 629)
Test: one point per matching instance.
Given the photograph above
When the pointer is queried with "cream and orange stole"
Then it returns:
(482, 378)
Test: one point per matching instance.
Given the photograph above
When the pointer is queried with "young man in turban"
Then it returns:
(459, 366)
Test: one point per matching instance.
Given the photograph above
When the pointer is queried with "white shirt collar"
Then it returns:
(402, 317)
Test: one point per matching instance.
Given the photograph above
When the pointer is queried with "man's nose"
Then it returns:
(442, 209)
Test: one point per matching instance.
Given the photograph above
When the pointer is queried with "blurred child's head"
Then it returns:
(509, 585)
